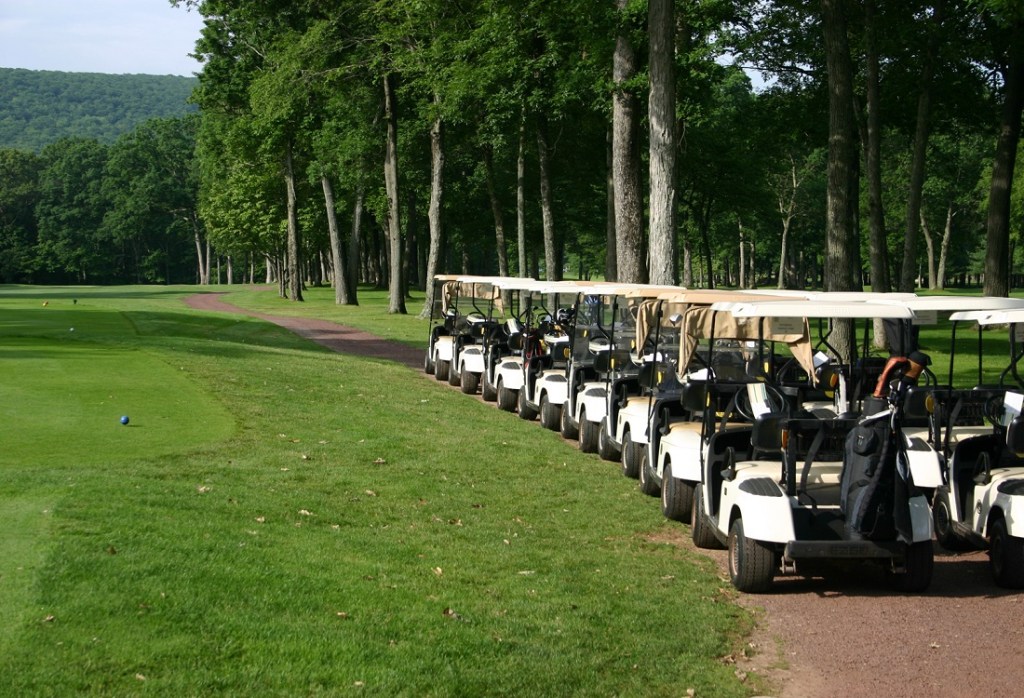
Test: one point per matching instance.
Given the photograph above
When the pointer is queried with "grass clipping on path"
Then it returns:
(354, 528)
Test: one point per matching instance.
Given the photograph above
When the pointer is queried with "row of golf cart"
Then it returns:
(767, 420)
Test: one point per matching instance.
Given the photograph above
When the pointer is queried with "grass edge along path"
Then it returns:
(365, 531)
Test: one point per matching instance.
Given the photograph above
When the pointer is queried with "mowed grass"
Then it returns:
(281, 520)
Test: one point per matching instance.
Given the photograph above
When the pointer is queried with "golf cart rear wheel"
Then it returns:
(629, 456)
(589, 436)
(428, 363)
(700, 526)
(506, 398)
(453, 376)
(917, 569)
(676, 496)
(942, 521)
(550, 414)
(523, 408)
(751, 562)
(442, 369)
(568, 426)
(1006, 556)
(606, 448)
(487, 391)
(468, 381)
(648, 478)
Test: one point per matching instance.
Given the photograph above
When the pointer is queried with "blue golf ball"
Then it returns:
(124, 419)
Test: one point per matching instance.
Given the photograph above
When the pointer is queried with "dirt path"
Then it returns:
(843, 635)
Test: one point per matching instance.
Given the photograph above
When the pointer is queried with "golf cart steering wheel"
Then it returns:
(775, 400)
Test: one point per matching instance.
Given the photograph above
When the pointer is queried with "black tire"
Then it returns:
(649, 484)
(1006, 556)
(550, 414)
(917, 574)
(676, 496)
(442, 369)
(629, 457)
(700, 527)
(487, 391)
(428, 364)
(942, 522)
(468, 382)
(523, 407)
(506, 398)
(751, 562)
(568, 427)
(589, 436)
(453, 376)
(606, 448)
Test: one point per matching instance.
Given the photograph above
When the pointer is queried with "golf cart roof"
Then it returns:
(991, 317)
(815, 309)
(960, 303)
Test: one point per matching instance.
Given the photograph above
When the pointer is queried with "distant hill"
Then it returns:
(38, 107)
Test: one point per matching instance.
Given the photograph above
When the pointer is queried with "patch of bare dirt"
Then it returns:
(843, 633)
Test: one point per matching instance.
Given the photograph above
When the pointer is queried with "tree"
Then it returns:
(19, 194)
(631, 260)
(662, 115)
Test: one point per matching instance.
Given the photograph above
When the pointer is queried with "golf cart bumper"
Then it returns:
(844, 549)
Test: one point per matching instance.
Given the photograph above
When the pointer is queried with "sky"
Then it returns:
(99, 36)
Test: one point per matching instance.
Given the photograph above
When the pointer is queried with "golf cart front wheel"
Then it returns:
(442, 369)
(589, 436)
(629, 456)
(550, 413)
(428, 363)
(1006, 556)
(606, 448)
(700, 526)
(942, 522)
(648, 477)
(751, 562)
(568, 426)
(506, 398)
(917, 568)
(487, 391)
(524, 409)
(468, 381)
(676, 496)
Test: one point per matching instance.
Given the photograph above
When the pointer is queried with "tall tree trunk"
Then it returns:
(997, 254)
(922, 131)
(521, 199)
(880, 280)
(435, 222)
(353, 247)
(662, 118)
(929, 243)
(499, 218)
(294, 262)
(337, 257)
(947, 234)
(841, 272)
(396, 296)
(787, 210)
(743, 256)
(201, 265)
(632, 259)
(551, 263)
(611, 268)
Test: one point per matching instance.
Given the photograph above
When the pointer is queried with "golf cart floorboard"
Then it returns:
(822, 534)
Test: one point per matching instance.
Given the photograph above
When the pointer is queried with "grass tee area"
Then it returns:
(276, 519)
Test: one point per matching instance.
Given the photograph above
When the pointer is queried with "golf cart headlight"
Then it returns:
(929, 403)
(784, 438)
(833, 381)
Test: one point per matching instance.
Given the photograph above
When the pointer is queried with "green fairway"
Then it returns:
(281, 520)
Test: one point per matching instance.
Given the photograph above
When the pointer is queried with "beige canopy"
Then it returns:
(698, 321)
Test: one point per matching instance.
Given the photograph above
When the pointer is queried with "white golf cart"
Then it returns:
(981, 501)
(816, 486)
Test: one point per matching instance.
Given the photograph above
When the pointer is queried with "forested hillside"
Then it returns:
(41, 106)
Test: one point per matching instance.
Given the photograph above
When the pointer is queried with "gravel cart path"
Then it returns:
(843, 635)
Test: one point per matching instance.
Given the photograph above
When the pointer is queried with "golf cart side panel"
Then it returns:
(925, 463)
(510, 373)
(755, 496)
(633, 416)
(443, 348)
(471, 359)
(555, 385)
(682, 445)
(593, 399)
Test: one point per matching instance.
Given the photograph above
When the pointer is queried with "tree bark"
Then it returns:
(294, 263)
(997, 254)
(552, 267)
(499, 218)
(929, 243)
(947, 234)
(337, 257)
(396, 297)
(662, 118)
(611, 272)
(880, 280)
(841, 272)
(437, 159)
(353, 247)
(521, 199)
(631, 257)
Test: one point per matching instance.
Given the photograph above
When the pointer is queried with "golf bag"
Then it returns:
(867, 487)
